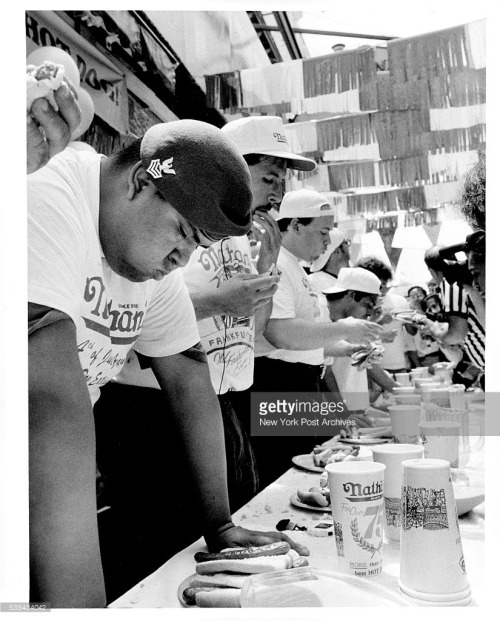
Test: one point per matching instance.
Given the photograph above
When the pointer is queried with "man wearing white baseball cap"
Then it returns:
(325, 269)
(292, 354)
(355, 294)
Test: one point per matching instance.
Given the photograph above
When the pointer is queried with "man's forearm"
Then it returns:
(65, 563)
(301, 335)
(381, 377)
(207, 304)
(194, 405)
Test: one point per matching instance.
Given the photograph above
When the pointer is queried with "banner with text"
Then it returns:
(104, 82)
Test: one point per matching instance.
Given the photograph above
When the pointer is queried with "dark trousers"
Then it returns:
(273, 454)
(154, 511)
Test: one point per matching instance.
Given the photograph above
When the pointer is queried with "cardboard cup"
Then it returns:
(441, 440)
(457, 397)
(403, 390)
(357, 499)
(392, 456)
(438, 396)
(404, 421)
(432, 566)
(408, 399)
(403, 379)
(423, 370)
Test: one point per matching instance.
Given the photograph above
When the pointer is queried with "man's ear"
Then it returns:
(136, 180)
(294, 225)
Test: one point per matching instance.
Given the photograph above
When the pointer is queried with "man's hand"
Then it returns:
(265, 230)
(243, 294)
(359, 330)
(241, 537)
(49, 132)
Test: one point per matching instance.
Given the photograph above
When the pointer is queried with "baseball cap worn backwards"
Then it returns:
(265, 135)
(200, 173)
(355, 279)
(304, 204)
(336, 238)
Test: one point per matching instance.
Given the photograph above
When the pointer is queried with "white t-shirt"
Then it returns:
(294, 299)
(228, 341)
(394, 354)
(68, 272)
(353, 384)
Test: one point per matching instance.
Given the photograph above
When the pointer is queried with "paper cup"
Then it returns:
(392, 456)
(357, 496)
(440, 440)
(404, 421)
(426, 381)
(403, 390)
(408, 399)
(457, 398)
(423, 370)
(403, 379)
(416, 375)
(432, 562)
(438, 396)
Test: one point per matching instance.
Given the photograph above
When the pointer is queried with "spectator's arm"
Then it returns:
(381, 377)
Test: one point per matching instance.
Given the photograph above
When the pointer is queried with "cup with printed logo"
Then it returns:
(432, 568)
(357, 499)
(404, 422)
(441, 440)
(392, 456)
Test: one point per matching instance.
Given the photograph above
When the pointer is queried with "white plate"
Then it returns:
(306, 462)
(466, 498)
(365, 441)
(302, 505)
(309, 587)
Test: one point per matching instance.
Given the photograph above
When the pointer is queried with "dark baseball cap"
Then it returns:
(199, 171)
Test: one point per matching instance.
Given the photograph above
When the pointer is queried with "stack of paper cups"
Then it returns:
(441, 440)
(392, 456)
(357, 497)
(404, 422)
(432, 561)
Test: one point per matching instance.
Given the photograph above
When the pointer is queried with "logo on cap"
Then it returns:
(155, 169)
(280, 137)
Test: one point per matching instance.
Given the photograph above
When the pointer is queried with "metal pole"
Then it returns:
(330, 33)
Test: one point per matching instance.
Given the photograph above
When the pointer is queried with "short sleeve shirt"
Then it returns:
(69, 272)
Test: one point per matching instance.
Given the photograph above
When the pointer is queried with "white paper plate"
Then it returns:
(310, 587)
(466, 498)
(302, 505)
(306, 462)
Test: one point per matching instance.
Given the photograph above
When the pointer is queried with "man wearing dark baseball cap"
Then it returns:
(103, 235)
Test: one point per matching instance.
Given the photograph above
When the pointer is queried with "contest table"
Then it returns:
(159, 590)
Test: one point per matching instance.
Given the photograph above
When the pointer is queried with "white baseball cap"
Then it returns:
(355, 279)
(336, 238)
(265, 135)
(305, 204)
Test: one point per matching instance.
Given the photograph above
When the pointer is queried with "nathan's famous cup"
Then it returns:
(392, 456)
(404, 422)
(432, 567)
(441, 440)
(357, 496)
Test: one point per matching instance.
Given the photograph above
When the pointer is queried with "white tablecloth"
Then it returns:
(159, 590)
